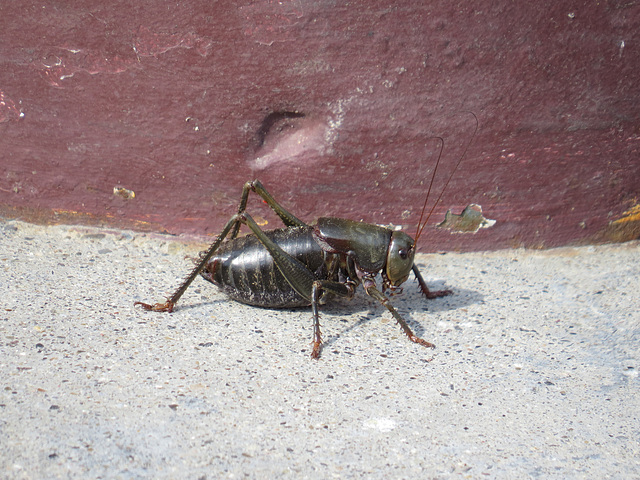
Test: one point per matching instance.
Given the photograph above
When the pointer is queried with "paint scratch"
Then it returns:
(150, 44)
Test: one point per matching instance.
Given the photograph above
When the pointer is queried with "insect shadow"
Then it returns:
(339, 314)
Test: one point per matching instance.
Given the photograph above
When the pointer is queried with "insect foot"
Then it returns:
(437, 294)
(425, 289)
(157, 307)
(420, 341)
(315, 353)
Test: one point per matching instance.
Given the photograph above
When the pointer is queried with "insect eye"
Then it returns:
(403, 253)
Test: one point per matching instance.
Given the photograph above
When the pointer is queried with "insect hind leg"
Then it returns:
(167, 306)
(256, 186)
(293, 268)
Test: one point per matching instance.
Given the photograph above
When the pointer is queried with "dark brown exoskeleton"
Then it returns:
(302, 265)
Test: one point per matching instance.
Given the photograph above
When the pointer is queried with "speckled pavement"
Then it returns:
(535, 373)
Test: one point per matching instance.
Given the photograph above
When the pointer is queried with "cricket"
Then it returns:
(305, 265)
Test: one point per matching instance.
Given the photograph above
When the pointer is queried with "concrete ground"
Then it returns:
(535, 374)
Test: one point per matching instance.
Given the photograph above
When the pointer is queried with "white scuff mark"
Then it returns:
(381, 424)
(621, 48)
(314, 136)
(135, 50)
(291, 146)
(318, 136)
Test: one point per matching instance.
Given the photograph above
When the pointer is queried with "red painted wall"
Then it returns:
(332, 106)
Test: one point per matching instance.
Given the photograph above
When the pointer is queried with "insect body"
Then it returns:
(302, 265)
(245, 270)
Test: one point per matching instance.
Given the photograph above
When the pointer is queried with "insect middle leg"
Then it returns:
(346, 290)
(301, 279)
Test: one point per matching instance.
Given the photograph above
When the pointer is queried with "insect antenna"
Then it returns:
(422, 224)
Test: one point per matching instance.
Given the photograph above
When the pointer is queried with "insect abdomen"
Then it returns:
(244, 269)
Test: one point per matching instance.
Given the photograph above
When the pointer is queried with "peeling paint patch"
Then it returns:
(469, 221)
(124, 193)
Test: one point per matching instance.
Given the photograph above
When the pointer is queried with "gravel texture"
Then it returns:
(535, 374)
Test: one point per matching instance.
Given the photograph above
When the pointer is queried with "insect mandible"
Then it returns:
(302, 265)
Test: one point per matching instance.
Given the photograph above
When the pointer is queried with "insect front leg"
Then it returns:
(171, 301)
(371, 289)
(423, 286)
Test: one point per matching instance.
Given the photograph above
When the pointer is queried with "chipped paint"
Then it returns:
(124, 193)
(623, 229)
(469, 221)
